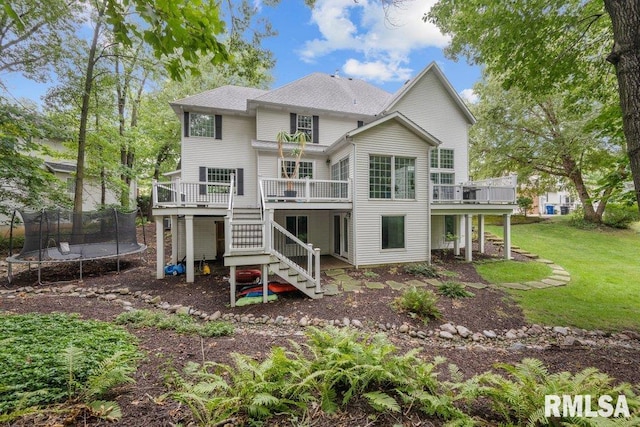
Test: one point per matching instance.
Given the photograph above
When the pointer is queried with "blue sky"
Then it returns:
(355, 39)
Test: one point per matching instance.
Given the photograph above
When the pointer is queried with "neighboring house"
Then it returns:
(383, 180)
(56, 160)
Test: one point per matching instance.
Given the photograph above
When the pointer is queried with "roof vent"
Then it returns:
(336, 74)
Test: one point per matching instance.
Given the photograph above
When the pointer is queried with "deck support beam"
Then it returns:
(159, 247)
(468, 238)
(188, 225)
(506, 221)
(481, 233)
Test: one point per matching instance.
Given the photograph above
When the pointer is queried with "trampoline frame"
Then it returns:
(79, 259)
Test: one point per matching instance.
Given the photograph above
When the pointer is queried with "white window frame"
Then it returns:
(437, 161)
(219, 189)
(392, 190)
(304, 118)
(193, 116)
(311, 162)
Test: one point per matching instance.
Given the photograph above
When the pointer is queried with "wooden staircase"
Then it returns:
(255, 240)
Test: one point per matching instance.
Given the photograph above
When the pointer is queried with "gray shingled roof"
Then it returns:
(324, 92)
(60, 167)
(224, 98)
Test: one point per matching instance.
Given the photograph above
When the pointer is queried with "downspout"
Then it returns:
(354, 221)
(429, 193)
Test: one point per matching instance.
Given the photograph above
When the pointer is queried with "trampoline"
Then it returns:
(59, 235)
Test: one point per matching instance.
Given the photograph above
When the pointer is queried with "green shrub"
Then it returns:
(181, 323)
(371, 274)
(335, 367)
(620, 216)
(454, 290)
(420, 302)
(519, 398)
(422, 269)
(51, 358)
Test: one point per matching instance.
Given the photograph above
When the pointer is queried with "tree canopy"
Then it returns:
(543, 46)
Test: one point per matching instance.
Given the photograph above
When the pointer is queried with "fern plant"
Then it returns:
(334, 367)
(419, 302)
(519, 398)
(454, 290)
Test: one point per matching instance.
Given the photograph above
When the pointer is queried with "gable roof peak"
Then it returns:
(434, 69)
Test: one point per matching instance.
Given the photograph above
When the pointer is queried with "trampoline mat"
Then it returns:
(82, 252)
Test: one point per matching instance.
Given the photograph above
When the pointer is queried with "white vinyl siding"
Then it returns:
(232, 152)
(430, 106)
(319, 226)
(204, 238)
(270, 122)
(390, 139)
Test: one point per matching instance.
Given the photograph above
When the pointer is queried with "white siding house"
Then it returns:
(384, 177)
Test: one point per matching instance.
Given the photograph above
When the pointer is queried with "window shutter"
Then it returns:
(316, 129)
(203, 178)
(186, 124)
(293, 123)
(240, 182)
(218, 126)
(360, 123)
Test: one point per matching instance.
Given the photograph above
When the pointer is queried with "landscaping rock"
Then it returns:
(463, 332)
(560, 330)
(489, 334)
(448, 327)
(445, 334)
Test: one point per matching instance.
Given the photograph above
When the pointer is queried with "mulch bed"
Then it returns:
(141, 403)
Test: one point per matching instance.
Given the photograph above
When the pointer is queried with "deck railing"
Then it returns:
(305, 190)
(181, 193)
(489, 191)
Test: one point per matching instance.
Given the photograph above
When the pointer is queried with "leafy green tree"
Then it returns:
(24, 181)
(540, 46)
(32, 32)
(543, 136)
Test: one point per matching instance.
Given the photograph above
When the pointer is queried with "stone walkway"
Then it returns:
(341, 281)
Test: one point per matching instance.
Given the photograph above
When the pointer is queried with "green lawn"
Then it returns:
(604, 292)
(504, 271)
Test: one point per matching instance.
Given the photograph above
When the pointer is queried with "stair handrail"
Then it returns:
(263, 203)
(311, 252)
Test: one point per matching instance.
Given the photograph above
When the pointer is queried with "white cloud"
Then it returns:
(384, 39)
(378, 71)
(470, 96)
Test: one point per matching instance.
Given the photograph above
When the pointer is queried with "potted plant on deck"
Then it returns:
(299, 141)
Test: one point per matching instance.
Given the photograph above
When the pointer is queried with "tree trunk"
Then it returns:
(625, 56)
(84, 118)
(575, 175)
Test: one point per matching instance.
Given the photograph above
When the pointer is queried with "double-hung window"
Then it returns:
(305, 169)
(219, 175)
(442, 176)
(202, 125)
(392, 177)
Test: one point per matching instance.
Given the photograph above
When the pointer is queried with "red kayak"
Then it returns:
(248, 276)
(275, 287)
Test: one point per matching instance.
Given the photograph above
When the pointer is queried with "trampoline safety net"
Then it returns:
(62, 235)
